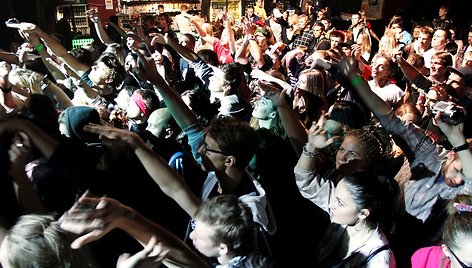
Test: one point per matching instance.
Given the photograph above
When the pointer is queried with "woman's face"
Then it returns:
(263, 109)
(351, 156)
(343, 208)
(462, 255)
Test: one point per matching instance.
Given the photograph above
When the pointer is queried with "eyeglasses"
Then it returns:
(208, 149)
(463, 265)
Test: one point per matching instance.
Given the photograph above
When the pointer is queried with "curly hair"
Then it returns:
(375, 141)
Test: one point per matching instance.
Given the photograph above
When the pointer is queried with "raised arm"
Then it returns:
(19, 152)
(208, 38)
(168, 180)
(455, 135)
(56, 48)
(102, 35)
(370, 99)
(40, 139)
(108, 214)
(179, 110)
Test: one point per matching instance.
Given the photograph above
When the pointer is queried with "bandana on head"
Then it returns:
(138, 99)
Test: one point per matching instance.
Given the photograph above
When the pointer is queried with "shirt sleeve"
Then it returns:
(314, 188)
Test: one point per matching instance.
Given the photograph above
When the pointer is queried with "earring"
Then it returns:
(355, 226)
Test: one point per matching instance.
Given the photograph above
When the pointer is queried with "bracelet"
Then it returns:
(39, 47)
(462, 147)
(308, 153)
(6, 90)
(357, 81)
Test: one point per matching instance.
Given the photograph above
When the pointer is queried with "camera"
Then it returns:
(450, 112)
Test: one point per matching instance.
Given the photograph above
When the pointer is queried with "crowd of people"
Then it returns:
(274, 140)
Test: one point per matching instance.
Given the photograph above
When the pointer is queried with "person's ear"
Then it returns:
(364, 213)
(223, 249)
(169, 132)
(446, 250)
(230, 161)
(272, 115)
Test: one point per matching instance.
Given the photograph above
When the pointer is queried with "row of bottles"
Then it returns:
(129, 8)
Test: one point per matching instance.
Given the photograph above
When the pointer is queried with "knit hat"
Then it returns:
(75, 118)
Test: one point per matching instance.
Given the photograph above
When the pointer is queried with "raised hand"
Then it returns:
(114, 135)
(19, 152)
(273, 93)
(93, 217)
(150, 257)
(92, 15)
(318, 137)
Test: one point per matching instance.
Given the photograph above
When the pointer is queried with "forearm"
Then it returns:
(256, 53)
(232, 40)
(295, 131)
(142, 229)
(53, 90)
(28, 198)
(8, 57)
(457, 139)
(408, 70)
(179, 110)
(183, 51)
(370, 99)
(42, 141)
(102, 35)
(168, 180)
(241, 52)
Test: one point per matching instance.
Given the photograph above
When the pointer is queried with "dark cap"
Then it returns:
(464, 72)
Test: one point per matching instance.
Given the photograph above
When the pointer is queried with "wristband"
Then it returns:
(357, 81)
(462, 147)
(308, 153)
(39, 47)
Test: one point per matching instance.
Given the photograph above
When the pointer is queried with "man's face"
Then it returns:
(259, 3)
(317, 31)
(335, 40)
(131, 42)
(213, 158)
(250, 12)
(424, 40)
(437, 68)
(439, 40)
(442, 12)
(469, 38)
(355, 19)
(454, 174)
(99, 73)
(380, 68)
(163, 23)
(202, 239)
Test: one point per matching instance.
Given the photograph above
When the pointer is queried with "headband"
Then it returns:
(138, 99)
(462, 208)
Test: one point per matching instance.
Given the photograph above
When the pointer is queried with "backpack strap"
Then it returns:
(371, 255)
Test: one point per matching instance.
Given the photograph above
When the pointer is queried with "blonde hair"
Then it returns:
(27, 79)
(38, 241)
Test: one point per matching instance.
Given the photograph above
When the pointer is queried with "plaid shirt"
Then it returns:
(306, 38)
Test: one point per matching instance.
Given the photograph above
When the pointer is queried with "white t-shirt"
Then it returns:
(390, 93)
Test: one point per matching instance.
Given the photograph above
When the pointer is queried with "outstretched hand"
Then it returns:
(150, 257)
(93, 217)
(271, 92)
(115, 135)
(318, 137)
